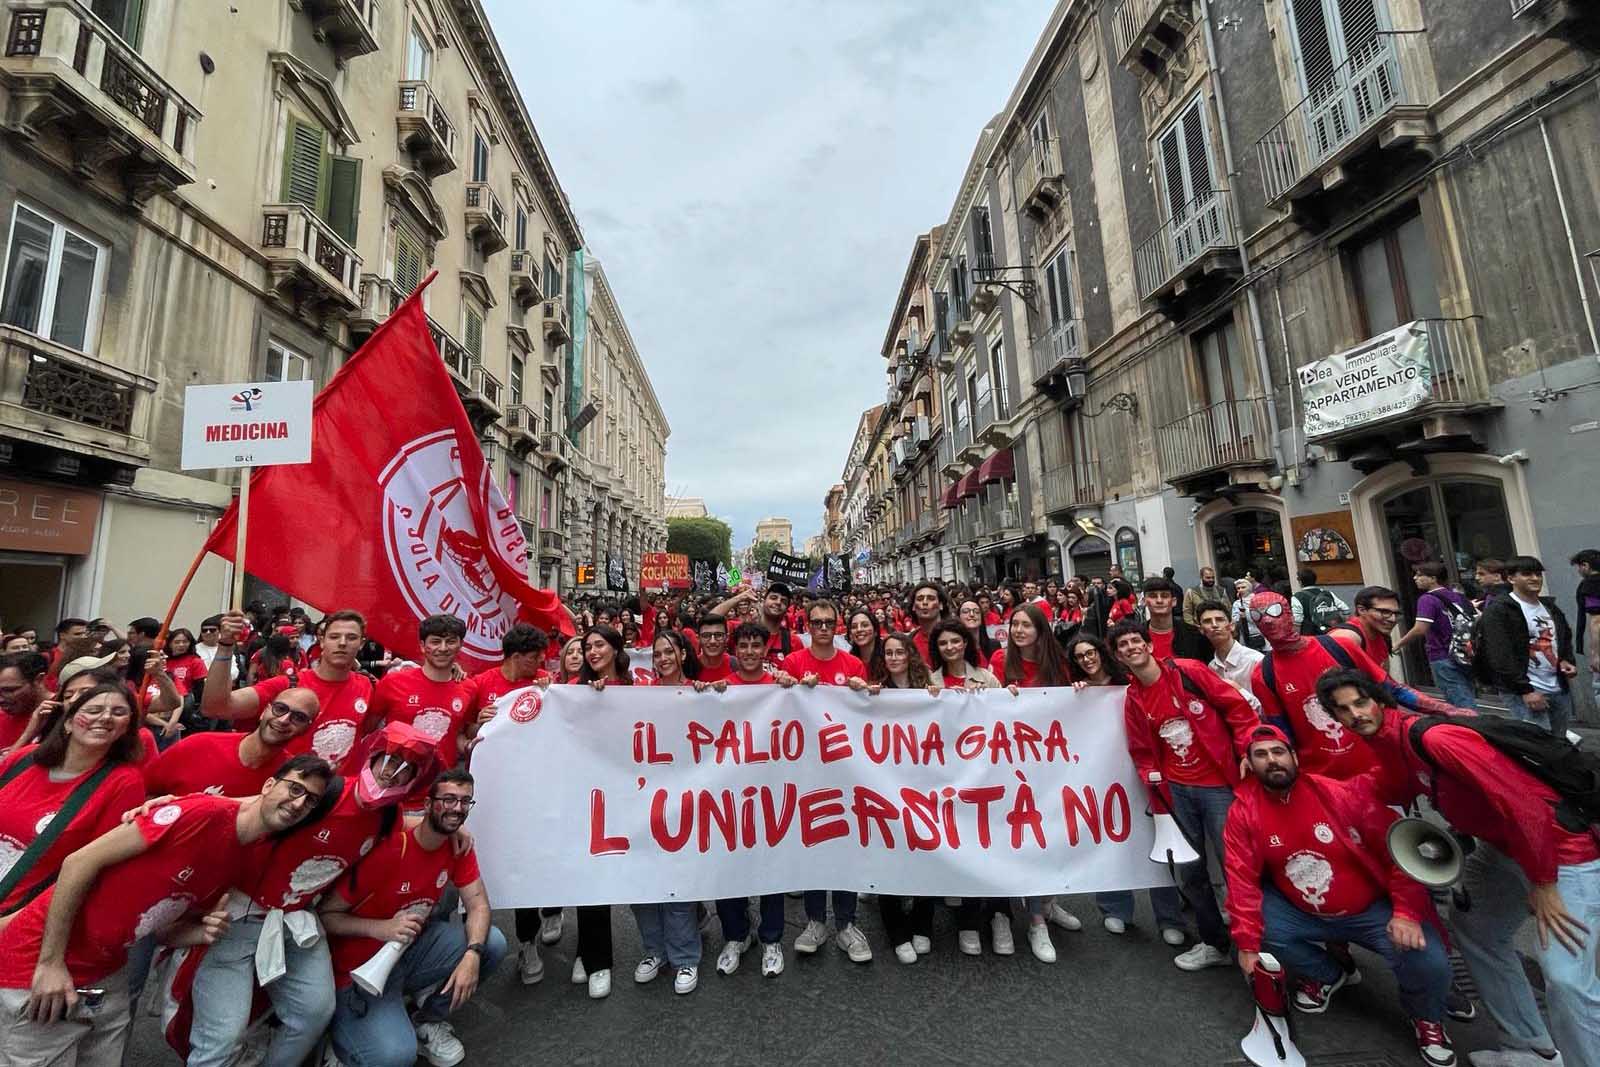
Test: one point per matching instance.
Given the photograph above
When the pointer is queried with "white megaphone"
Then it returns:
(1170, 845)
(1270, 1043)
(1425, 852)
(373, 975)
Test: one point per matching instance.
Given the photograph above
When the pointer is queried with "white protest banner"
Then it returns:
(1384, 376)
(643, 794)
(257, 424)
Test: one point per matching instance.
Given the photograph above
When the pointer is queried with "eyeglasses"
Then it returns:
(828, 623)
(118, 712)
(1385, 613)
(1271, 611)
(464, 803)
(297, 791)
(1087, 653)
(296, 716)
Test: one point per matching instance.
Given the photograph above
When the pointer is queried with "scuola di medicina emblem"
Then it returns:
(437, 556)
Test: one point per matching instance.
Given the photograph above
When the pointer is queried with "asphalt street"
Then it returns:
(1109, 1001)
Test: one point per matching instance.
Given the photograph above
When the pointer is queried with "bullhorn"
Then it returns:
(1170, 845)
(373, 975)
(1270, 1042)
(1425, 852)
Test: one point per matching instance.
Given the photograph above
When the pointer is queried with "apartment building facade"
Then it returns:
(1290, 285)
(245, 194)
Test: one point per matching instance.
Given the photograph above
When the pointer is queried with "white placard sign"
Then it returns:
(662, 793)
(1386, 375)
(254, 424)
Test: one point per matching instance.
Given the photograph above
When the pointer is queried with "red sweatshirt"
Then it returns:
(1218, 733)
(1482, 793)
(1324, 746)
(1324, 844)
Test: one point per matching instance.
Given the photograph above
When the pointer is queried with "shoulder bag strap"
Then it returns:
(47, 837)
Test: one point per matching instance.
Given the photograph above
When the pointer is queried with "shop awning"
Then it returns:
(951, 496)
(968, 486)
(997, 468)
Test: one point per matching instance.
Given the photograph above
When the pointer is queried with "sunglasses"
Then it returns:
(823, 622)
(296, 716)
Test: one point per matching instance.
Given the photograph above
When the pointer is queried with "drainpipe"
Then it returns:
(1566, 222)
(1263, 362)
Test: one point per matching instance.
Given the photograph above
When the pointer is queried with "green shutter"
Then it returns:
(407, 263)
(305, 165)
(344, 196)
(475, 334)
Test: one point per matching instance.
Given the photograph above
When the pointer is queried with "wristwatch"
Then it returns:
(479, 947)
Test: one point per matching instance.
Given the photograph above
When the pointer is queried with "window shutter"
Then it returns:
(474, 337)
(344, 196)
(407, 263)
(1314, 46)
(1172, 173)
(1052, 287)
(1359, 21)
(304, 165)
(1194, 146)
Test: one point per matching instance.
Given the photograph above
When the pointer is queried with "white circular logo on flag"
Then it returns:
(437, 554)
(166, 815)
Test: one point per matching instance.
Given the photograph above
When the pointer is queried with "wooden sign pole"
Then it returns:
(238, 547)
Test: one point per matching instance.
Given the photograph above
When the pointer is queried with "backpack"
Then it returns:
(1482, 671)
(1320, 610)
(1462, 621)
(1573, 773)
(1340, 655)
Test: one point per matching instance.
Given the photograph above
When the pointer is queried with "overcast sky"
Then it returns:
(753, 176)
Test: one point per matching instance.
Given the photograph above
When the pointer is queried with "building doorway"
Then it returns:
(1248, 541)
(1091, 558)
(35, 585)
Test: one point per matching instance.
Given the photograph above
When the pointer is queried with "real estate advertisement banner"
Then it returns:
(1387, 375)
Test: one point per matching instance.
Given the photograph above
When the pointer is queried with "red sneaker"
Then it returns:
(1433, 1044)
(1312, 997)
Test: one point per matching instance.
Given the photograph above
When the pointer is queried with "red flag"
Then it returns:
(397, 514)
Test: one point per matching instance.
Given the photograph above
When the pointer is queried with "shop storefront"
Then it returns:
(45, 533)
(1245, 537)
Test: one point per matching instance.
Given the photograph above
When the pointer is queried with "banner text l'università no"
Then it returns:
(634, 795)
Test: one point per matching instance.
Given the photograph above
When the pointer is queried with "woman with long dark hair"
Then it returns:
(72, 786)
(908, 921)
(861, 630)
(972, 616)
(675, 662)
(1069, 614)
(1123, 601)
(1093, 664)
(958, 664)
(605, 662)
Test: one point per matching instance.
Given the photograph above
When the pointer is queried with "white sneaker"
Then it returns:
(685, 980)
(438, 1044)
(1514, 1057)
(1114, 925)
(853, 943)
(647, 970)
(1039, 940)
(1173, 936)
(550, 928)
(1000, 929)
(530, 968)
(771, 960)
(1062, 917)
(732, 952)
(813, 937)
(579, 975)
(921, 944)
(905, 953)
(969, 943)
(1200, 957)
(600, 984)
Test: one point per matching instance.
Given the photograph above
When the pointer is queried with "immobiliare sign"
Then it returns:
(1387, 375)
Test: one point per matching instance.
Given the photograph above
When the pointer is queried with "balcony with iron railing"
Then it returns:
(525, 278)
(67, 68)
(553, 447)
(1440, 374)
(1072, 484)
(456, 358)
(552, 544)
(1576, 20)
(1370, 101)
(379, 299)
(485, 218)
(553, 315)
(57, 396)
(522, 426)
(1148, 33)
(1198, 243)
(1055, 353)
(1220, 436)
(1038, 182)
(426, 129)
(345, 24)
(309, 263)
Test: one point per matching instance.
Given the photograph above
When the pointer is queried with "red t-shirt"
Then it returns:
(920, 639)
(1030, 670)
(1309, 861)
(400, 875)
(837, 669)
(717, 672)
(1323, 745)
(306, 862)
(1044, 606)
(1183, 759)
(436, 709)
(194, 855)
(765, 679)
(775, 652)
(208, 763)
(185, 671)
(30, 801)
(1161, 644)
(11, 728)
(486, 687)
(341, 709)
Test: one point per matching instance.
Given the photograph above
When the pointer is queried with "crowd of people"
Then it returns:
(257, 819)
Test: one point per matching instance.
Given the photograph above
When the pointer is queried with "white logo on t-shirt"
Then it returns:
(1322, 832)
(44, 823)
(1312, 874)
(166, 815)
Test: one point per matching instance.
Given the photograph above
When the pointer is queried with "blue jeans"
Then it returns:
(1293, 936)
(223, 989)
(1555, 718)
(1201, 812)
(671, 931)
(1454, 682)
(1486, 934)
(844, 906)
(370, 1031)
(734, 913)
(1164, 900)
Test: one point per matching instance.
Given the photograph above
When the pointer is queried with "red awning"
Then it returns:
(998, 467)
(968, 486)
(951, 497)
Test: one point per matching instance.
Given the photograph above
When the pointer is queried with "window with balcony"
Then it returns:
(545, 507)
(125, 17)
(978, 391)
(1327, 35)
(956, 406)
(54, 279)
(1393, 275)
(983, 234)
(997, 372)
(1185, 164)
(419, 54)
(514, 489)
(322, 180)
(521, 228)
(284, 364)
(480, 156)
(516, 379)
(941, 309)
(1221, 363)
(552, 278)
